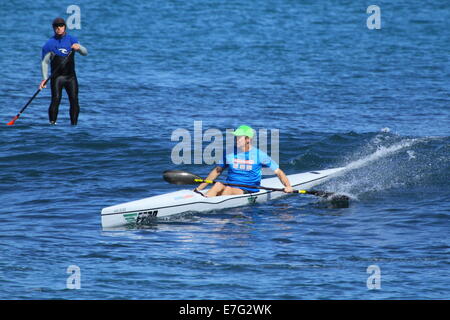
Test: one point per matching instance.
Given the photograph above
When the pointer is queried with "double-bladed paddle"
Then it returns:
(182, 177)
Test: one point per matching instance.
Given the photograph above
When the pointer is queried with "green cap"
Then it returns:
(244, 131)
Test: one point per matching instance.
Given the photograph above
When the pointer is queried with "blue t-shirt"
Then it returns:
(245, 167)
(59, 46)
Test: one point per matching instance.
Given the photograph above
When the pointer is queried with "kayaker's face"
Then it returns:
(242, 142)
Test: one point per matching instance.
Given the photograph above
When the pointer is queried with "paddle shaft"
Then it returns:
(255, 187)
(39, 90)
(182, 177)
(31, 99)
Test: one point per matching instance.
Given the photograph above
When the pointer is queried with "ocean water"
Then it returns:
(376, 101)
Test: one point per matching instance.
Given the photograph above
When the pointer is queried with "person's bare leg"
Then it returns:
(216, 190)
(229, 191)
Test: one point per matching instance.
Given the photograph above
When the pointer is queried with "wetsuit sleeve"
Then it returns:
(45, 50)
(44, 65)
(83, 51)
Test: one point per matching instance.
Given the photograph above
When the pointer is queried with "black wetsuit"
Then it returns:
(65, 78)
(56, 51)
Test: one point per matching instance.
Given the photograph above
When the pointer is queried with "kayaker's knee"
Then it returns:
(227, 191)
(219, 186)
(215, 190)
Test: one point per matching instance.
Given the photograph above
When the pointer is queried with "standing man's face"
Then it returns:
(59, 29)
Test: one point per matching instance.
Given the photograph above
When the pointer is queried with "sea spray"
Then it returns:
(389, 161)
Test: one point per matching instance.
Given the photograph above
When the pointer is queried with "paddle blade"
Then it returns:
(181, 177)
(12, 121)
(328, 195)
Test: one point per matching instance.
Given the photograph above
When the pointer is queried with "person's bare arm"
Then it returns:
(211, 176)
(284, 180)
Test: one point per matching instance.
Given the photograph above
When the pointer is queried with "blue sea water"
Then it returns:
(376, 101)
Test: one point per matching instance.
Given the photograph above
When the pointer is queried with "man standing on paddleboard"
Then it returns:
(57, 53)
(244, 167)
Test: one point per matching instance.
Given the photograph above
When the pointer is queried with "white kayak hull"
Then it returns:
(143, 211)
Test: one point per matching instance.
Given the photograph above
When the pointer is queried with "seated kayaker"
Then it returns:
(244, 167)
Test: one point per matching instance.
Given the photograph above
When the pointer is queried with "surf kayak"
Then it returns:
(144, 211)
